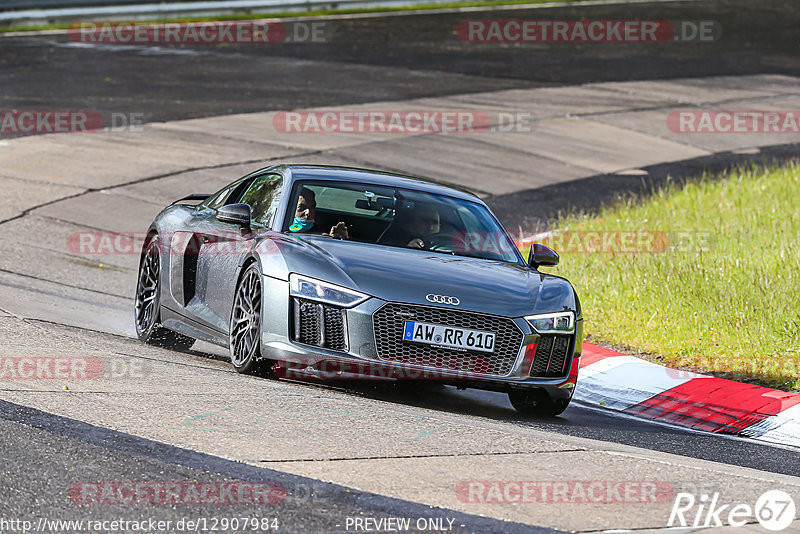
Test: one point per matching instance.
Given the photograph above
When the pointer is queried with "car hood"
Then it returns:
(407, 275)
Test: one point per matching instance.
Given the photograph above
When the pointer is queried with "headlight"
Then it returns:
(553, 323)
(312, 289)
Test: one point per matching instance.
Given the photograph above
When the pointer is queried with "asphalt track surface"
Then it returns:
(31, 436)
(384, 59)
(372, 59)
(44, 455)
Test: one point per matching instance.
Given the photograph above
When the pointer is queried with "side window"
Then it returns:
(219, 199)
(228, 195)
(468, 219)
(262, 195)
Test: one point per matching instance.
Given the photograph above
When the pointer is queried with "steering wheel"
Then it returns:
(441, 242)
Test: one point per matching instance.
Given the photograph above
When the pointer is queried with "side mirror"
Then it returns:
(235, 214)
(542, 256)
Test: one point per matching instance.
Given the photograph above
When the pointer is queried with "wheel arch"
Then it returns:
(151, 233)
(244, 264)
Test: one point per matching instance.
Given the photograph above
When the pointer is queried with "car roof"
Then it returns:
(372, 177)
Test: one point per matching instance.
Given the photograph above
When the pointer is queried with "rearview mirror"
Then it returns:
(542, 256)
(235, 214)
(377, 204)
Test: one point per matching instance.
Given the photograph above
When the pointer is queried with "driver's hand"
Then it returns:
(340, 230)
(416, 243)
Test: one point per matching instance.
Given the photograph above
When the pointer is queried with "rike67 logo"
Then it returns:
(774, 510)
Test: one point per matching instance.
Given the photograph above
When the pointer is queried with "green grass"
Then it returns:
(723, 297)
(285, 14)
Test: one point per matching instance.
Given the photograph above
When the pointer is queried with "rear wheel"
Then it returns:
(245, 329)
(147, 311)
(536, 402)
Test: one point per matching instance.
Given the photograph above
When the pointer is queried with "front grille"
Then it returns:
(321, 325)
(389, 322)
(334, 328)
(552, 355)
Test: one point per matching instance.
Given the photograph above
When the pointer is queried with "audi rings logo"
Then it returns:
(442, 299)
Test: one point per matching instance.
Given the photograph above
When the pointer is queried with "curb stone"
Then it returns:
(637, 387)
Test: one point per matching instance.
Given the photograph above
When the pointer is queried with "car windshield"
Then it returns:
(399, 218)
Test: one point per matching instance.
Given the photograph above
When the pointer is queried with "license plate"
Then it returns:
(448, 336)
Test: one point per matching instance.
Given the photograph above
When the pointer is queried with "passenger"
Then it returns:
(306, 212)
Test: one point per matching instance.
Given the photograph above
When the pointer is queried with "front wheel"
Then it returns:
(245, 329)
(147, 310)
(536, 402)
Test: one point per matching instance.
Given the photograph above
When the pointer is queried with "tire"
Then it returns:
(147, 307)
(245, 326)
(536, 402)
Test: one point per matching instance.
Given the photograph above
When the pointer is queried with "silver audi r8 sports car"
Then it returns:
(359, 273)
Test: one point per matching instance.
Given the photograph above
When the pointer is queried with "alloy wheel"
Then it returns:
(246, 320)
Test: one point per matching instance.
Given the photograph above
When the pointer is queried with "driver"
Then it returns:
(305, 213)
(425, 222)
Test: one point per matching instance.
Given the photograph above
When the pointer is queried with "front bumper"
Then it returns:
(359, 356)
